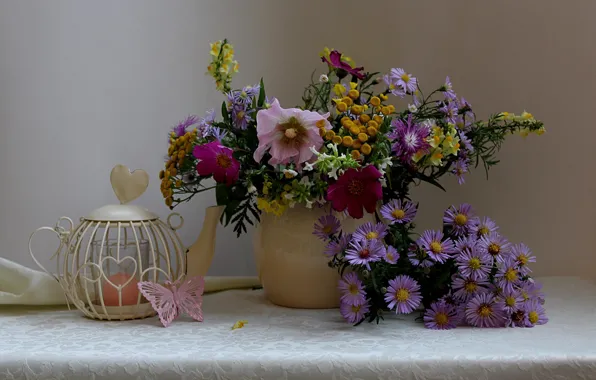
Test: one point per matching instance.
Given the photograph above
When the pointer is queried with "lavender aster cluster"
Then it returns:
(241, 106)
(468, 273)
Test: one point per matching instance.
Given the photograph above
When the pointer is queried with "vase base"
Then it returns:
(302, 301)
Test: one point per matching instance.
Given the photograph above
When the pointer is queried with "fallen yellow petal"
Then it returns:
(239, 324)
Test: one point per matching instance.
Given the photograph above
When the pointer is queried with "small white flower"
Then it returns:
(308, 166)
(323, 78)
(305, 181)
(333, 173)
(383, 182)
(289, 196)
(412, 108)
(308, 204)
(289, 173)
(252, 189)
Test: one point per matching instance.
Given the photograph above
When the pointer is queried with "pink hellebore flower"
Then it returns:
(288, 134)
(217, 160)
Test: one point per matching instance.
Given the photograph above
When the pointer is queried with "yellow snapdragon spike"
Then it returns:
(216, 48)
(353, 85)
(435, 158)
(339, 89)
(239, 324)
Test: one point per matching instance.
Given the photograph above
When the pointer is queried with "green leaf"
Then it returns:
(224, 112)
(261, 100)
(430, 180)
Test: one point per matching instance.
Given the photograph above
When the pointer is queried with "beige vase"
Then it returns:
(290, 262)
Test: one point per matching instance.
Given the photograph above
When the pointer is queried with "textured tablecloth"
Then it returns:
(280, 343)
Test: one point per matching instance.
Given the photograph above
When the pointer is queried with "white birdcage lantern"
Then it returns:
(100, 261)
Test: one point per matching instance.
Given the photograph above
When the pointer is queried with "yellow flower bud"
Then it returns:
(321, 123)
(375, 101)
(354, 94)
(383, 97)
(169, 201)
(366, 149)
(181, 154)
(341, 107)
(357, 122)
(391, 108)
(355, 154)
(348, 141)
(353, 85)
(322, 132)
(363, 137)
(364, 118)
(161, 174)
(179, 183)
(372, 132)
(357, 109)
(373, 124)
(345, 120)
(339, 89)
(385, 110)
(357, 144)
(347, 100)
(378, 119)
(329, 135)
(336, 140)
(354, 130)
(167, 174)
(173, 172)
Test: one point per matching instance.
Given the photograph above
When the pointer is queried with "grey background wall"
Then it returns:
(88, 84)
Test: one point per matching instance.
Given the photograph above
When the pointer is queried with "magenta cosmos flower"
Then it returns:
(288, 134)
(403, 294)
(336, 62)
(217, 160)
(356, 189)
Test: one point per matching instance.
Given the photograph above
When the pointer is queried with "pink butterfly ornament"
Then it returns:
(173, 298)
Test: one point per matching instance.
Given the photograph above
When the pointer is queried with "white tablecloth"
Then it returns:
(280, 343)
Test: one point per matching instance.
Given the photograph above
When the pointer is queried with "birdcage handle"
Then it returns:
(62, 233)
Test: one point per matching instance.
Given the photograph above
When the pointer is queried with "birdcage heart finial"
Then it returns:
(128, 185)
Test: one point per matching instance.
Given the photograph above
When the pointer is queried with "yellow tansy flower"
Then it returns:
(366, 149)
(375, 101)
(363, 137)
(347, 141)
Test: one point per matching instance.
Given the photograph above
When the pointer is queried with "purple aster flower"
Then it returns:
(511, 300)
(403, 294)
(391, 255)
(447, 90)
(396, 211)
(404, 80)
(484, 311)
(326, 226)
(180, 128)
(495, 290)
(241, 117)
(459, 219)
(531, 289)
(352, 289)
(483, 227)
(216, 132)
(419, 257)
(523, 256)
(334, 248)
(364, 252)
(536, 313)
(370, 231)
(433, 244)
(440, 316)
(353, 313)
(466, 244)
(460, 307)
(450, 111)
(465, 109)
(459, 169)
(393, 87)
(466, 288)
(408, 137)
(205, 123)
(495, 245)
(507, 276)
(474, 264)
(465, 142)
(249, 93)
(518, 318)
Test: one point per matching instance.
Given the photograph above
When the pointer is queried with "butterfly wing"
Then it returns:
(190, 297)
(162, 299)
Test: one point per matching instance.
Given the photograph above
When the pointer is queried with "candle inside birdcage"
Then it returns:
(121, 265)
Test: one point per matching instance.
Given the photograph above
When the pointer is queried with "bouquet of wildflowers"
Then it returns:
(465, 273)
(346, 146)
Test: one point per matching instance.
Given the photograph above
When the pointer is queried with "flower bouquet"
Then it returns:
(348, 148)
